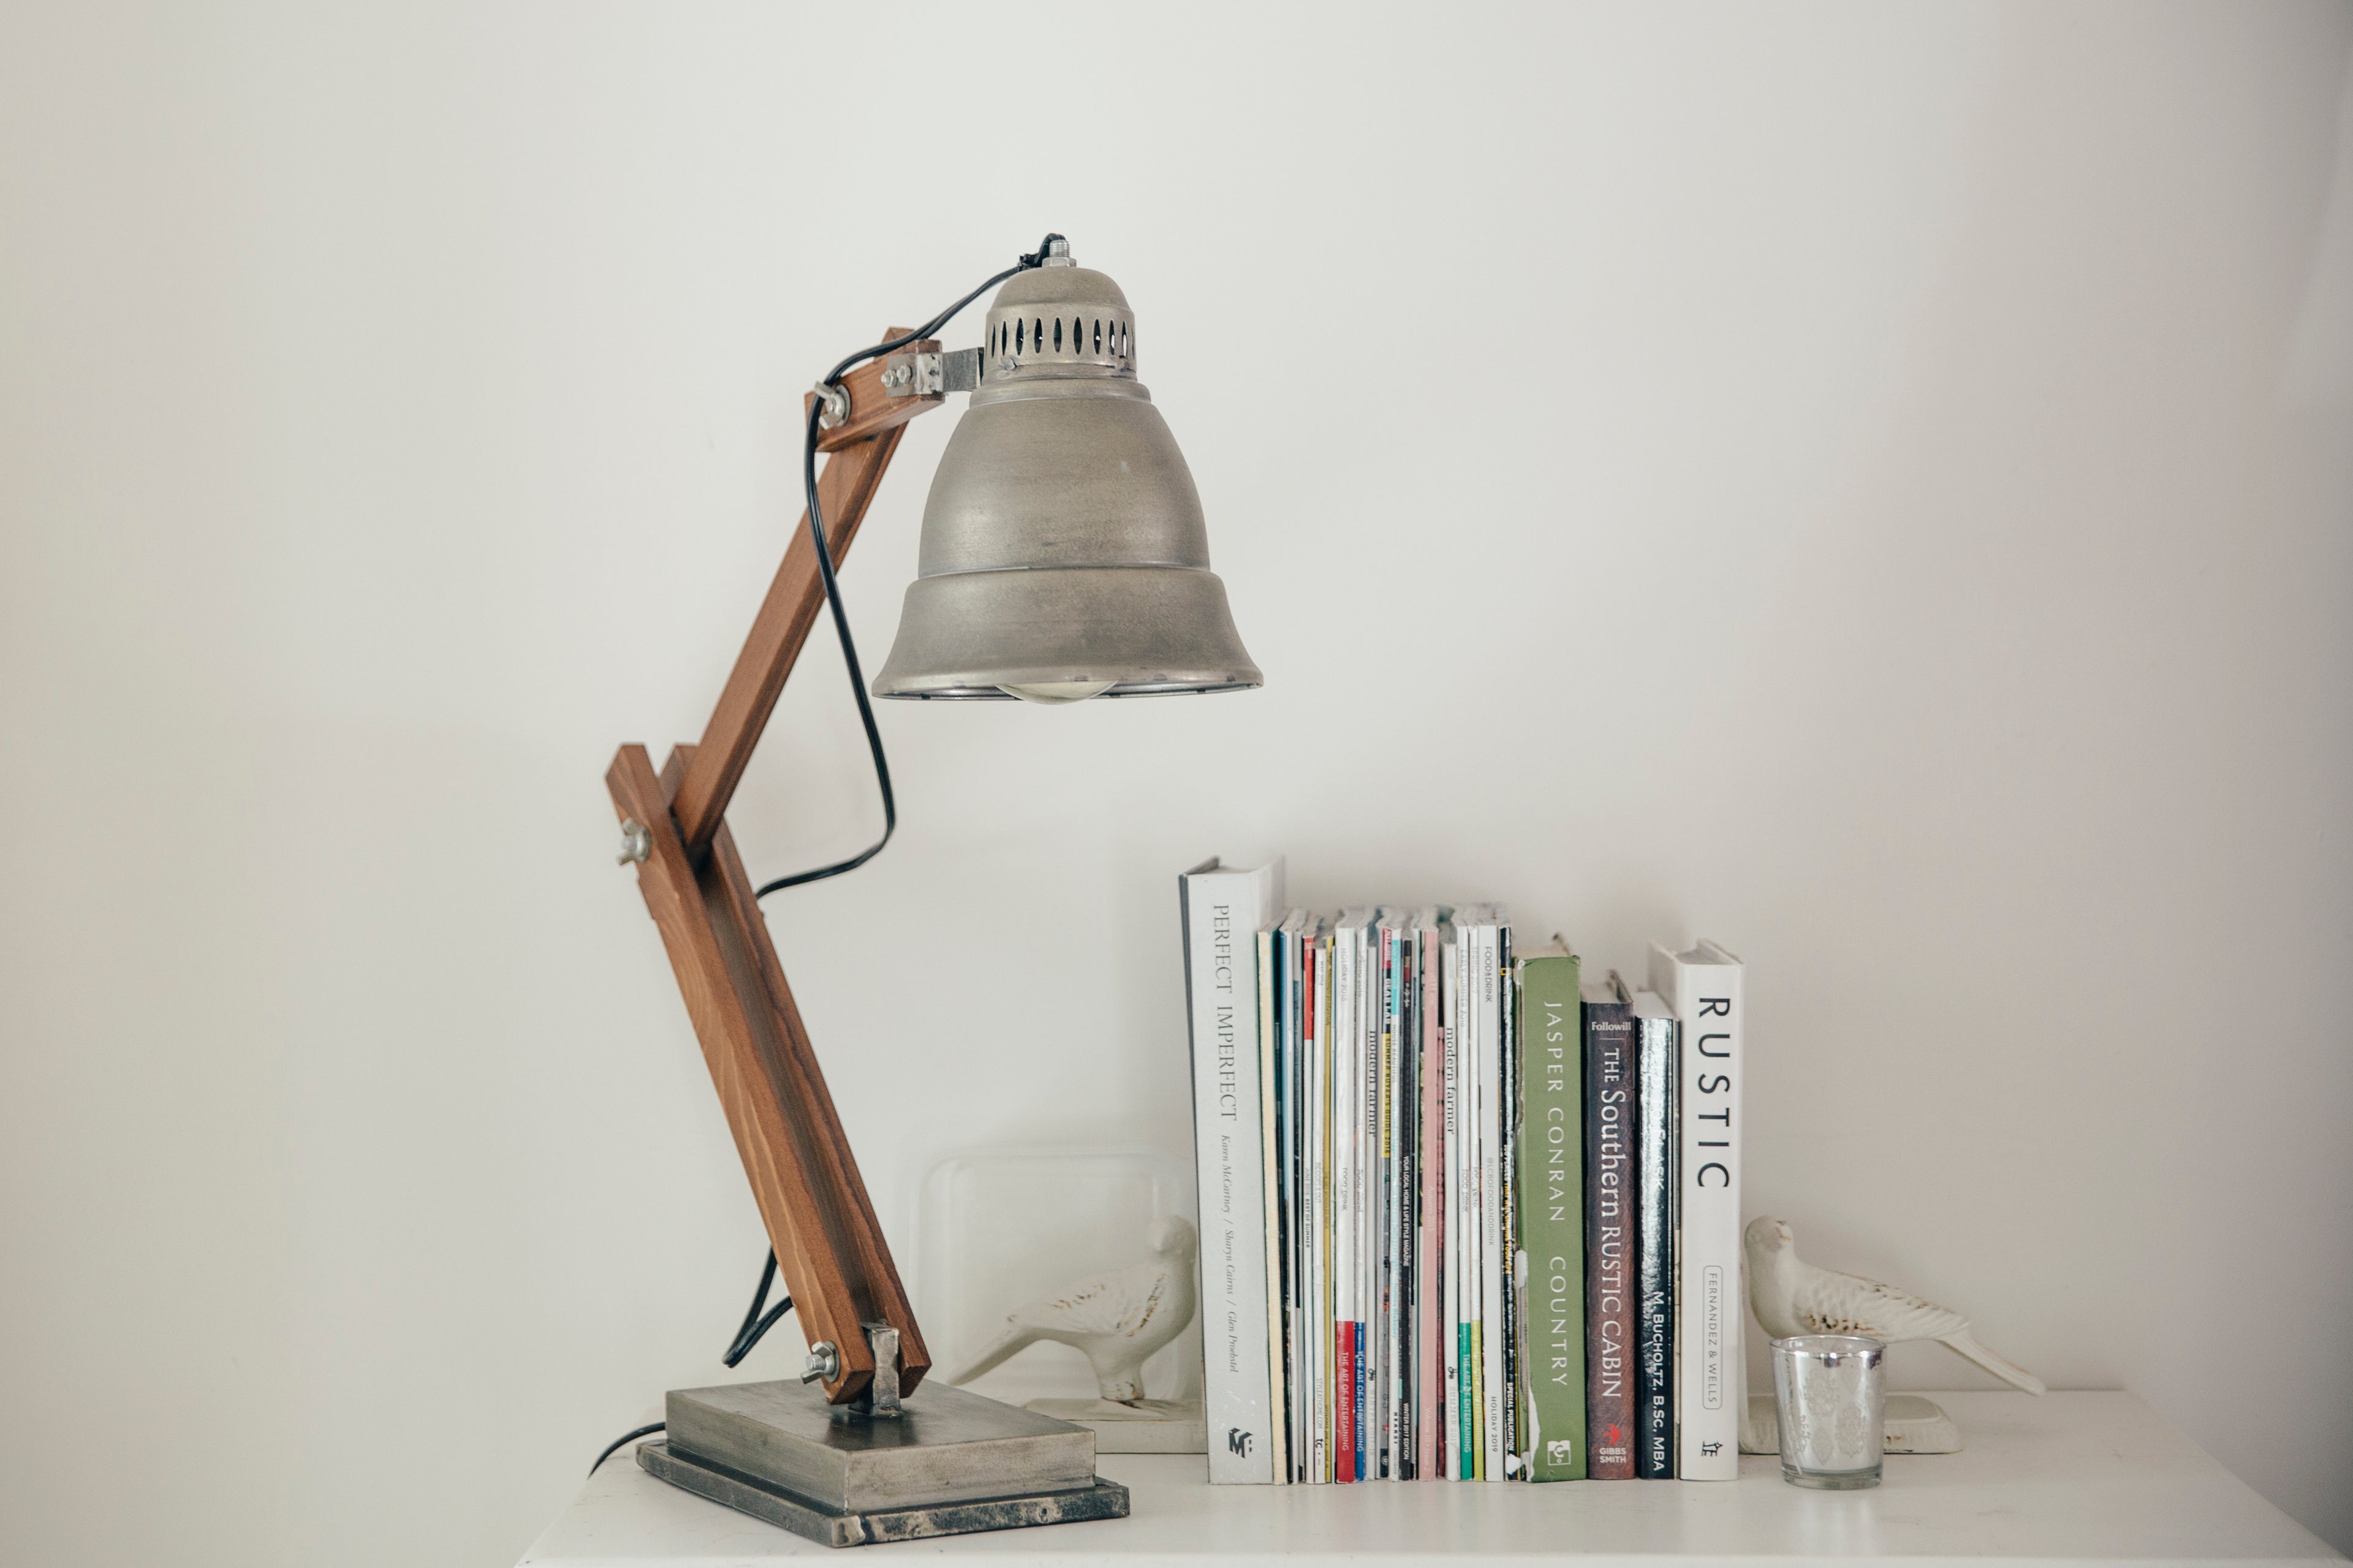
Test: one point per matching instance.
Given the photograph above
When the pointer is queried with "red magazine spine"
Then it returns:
(1343, 1421)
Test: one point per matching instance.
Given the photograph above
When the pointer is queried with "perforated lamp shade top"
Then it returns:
(1063, 551)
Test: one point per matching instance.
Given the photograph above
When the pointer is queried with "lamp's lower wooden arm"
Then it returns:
(829, 1247)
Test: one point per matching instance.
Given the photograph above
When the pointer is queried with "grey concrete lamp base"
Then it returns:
(952, 1463)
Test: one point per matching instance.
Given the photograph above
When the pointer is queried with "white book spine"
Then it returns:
(1319, 1225)
(1341, 1164)
(1346, 1251)
(1343, 1187)
(1308, 1201)
(1704, 987)
(1352, 1123)
(1491, 1160)
(1462, 1071)
(1223, 912)
(1476, 1185)
(1466, 1065)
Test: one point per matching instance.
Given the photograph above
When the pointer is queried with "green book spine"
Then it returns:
(1477, 1445)
(1551, 1194)
(1466, 1423)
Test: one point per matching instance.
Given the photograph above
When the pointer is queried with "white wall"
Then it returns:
(1870, 485)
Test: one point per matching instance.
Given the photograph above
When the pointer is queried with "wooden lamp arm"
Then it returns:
(829, 1247)
(859, 449)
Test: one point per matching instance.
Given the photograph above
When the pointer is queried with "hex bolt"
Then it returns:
(824, 1362)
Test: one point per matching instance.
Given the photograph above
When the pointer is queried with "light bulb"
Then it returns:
(1055, 692)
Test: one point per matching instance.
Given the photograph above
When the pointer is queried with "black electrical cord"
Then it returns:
(833, 589)
(615, 1445)
(857, 683)
(754, 1323)
(763, 1317)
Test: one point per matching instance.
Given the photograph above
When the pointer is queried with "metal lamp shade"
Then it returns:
(1063, 553)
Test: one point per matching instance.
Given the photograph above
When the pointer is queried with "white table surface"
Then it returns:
(2066, 1478)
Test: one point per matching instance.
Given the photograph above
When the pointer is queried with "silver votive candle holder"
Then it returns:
(1829, 1393)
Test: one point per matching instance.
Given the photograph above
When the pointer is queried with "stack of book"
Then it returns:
(1466, 1213)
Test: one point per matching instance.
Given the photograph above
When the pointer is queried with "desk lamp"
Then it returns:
(1064, 557)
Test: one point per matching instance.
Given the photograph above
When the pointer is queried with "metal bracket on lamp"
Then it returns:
(929, 374)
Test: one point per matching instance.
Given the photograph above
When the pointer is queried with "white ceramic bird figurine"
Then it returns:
(1117, 1319)
(1793, 1297)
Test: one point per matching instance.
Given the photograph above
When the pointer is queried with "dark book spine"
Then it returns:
(1654, 1162)
(1298, 1205)
(1405, 1092)
(1508, 1182)
(1609, 1234)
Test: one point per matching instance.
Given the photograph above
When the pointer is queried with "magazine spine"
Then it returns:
(1492, 1327)
(1430, 1285)
(1457, 1340)
(1315, 962)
